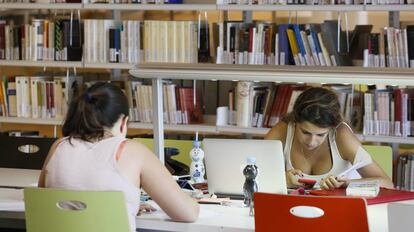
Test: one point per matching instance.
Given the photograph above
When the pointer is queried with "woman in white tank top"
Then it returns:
(318, 145)
(95, 155)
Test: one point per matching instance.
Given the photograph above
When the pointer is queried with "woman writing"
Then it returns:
(95, 155)
(319, 145)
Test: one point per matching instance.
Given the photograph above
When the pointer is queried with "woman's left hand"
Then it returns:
(331, 182)
(145, 207)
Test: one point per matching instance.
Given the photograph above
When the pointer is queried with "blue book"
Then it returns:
(298, 36)
(284, 50)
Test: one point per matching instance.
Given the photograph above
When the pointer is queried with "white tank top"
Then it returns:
(82, 165)
(338, 164)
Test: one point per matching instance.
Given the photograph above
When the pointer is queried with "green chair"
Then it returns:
(101, 211)
(382, 155)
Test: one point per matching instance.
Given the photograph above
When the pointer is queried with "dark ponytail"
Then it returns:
(99, 107)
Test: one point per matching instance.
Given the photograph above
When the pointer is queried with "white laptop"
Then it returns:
(226, 158)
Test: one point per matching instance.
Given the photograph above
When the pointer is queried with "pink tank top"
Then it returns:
(82, 165)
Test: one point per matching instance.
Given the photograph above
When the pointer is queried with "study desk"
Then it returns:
(212, 217)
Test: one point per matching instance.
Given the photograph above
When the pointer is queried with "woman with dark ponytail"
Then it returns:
(319, 145)
(95, 155)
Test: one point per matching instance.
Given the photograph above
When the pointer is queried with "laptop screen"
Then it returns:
(226, 158)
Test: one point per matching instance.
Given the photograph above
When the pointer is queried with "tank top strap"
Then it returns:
(288, 144)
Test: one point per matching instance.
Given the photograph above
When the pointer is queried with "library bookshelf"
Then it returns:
(333, 75)
(158, 72)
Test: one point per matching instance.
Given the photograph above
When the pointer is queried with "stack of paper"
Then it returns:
(369, 188)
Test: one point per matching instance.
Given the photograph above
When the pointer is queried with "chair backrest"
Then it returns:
(309, 213)
(51, 210)
(382, 155)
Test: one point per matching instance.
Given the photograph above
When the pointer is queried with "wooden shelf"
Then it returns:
(290, 74)
(42, 6)
(338, 8)
(386, 139)
(164, 7)
(243, 130)
(54, 64)
(387, 8)
(37, 121)
(109, 65)
(205, 129)
(178, 127)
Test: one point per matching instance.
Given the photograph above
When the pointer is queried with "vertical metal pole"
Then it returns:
(116, 73)
(394, 19)
(247, 16)
(157, 110)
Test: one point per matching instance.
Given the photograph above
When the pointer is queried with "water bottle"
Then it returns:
(250, 172)
(197, 170)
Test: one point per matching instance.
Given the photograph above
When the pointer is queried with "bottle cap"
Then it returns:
(251, 160)
(196, 143)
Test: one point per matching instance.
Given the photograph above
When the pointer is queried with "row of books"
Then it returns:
(370, 111)
(136, 1)
(404, 176)
(263, 105)
(35, 96)
(389, 112)
(104, 41)
(180, 106)
(391, 47)
(113, 41)
(96, 1)
(41, 39)
(48, 97)
(171, 41)
(284, 44)
(260, 105)
(313, 2)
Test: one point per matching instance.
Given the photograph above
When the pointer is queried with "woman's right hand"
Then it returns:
(292, 177)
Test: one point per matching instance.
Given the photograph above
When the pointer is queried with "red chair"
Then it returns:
(276, 212)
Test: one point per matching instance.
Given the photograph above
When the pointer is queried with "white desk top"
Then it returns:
(212, 217)
(18, 177)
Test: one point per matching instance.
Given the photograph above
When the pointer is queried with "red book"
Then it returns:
(397, 105)
(385, 195)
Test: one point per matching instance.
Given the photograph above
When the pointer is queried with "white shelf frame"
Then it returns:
(204, 7)
(351, 75)
(267, 73)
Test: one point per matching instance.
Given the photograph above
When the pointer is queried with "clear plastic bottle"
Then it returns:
(197, 170)
(250, 172)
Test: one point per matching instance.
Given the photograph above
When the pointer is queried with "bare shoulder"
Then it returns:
(136, 149)
(347, 142)
(278, 132)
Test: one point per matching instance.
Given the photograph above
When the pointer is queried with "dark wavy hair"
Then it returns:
(318, 106)
(99, 107)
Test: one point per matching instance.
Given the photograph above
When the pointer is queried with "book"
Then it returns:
(363, 188)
